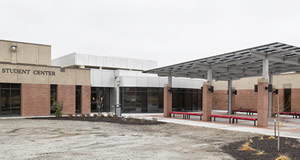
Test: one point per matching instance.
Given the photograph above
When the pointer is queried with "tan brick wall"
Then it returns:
(28, 53)
(35, 99)
(85, 99)
(69, 76)
(66, 94)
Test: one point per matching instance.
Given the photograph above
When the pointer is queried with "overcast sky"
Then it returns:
(168, 31)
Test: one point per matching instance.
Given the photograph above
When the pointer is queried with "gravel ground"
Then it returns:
(51, 139)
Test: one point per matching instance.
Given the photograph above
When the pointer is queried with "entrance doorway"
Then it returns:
(10, 99)
(287, 100)
(100, 99)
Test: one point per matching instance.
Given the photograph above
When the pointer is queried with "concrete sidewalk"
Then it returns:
(290, 127)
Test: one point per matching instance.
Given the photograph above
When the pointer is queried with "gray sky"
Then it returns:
(168, 31)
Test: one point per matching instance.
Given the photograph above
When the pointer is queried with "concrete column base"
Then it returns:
(167, 101)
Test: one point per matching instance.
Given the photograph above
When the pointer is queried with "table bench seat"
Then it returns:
(220, 116)
(235, 119)
(249, 112)
(294, 114)
(187, 115)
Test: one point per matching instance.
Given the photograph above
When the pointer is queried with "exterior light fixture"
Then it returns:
(13, 48)
(211, 89)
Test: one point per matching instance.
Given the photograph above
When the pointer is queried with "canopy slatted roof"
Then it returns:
(238, 64)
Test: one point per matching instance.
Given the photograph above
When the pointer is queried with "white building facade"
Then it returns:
(121, 81)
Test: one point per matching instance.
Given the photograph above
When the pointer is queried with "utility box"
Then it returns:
(118, 110)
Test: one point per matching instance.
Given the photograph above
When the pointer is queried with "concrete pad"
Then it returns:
(290, 127)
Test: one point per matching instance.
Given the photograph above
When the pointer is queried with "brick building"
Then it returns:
(29, 84)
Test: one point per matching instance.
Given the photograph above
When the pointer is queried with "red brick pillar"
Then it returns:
(66, 95)
(35, 99)
(86, 99)
(167, 101)
(262, 103)
(207, 102)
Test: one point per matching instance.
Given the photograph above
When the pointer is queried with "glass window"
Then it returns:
(5, 101)
(142, 100)
(129, 101)
(53, 97)
(186, 100)
(15, 101)
(153, 100)
(10, 101)
(78, 99)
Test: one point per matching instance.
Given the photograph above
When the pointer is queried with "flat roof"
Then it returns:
(238, 64)
(24, 42)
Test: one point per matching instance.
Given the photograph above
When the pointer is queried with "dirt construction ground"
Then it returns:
(51, 139)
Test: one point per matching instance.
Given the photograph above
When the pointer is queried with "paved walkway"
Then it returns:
(290, 127)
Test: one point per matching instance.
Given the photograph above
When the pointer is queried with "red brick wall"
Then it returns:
(281, 101)
(35, 99)
(246, 99)
(66, 95)
(85, 99)
(295, 100)
(220, 100)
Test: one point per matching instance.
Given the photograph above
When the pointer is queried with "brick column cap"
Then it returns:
(206, 84)
(167, 85)
(263, 80)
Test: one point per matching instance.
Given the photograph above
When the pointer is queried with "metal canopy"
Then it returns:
(239, 64)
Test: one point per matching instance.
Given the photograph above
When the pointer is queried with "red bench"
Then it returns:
(220, 116)
(183, 113)
(294, 114)
(297, 114)
(249, 112)
(186, 115)
(243, 118)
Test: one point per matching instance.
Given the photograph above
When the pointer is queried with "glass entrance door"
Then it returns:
(100, 99)
(10, 101)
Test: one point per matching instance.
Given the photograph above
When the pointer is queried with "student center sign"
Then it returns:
(27, 71)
